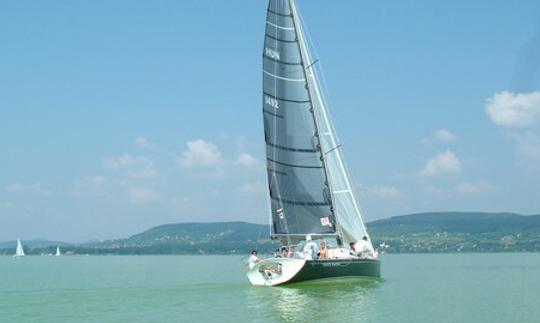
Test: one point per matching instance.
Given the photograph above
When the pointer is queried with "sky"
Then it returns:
(116, 116)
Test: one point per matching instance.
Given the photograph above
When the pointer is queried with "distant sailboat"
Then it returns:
(58, 251)
(310, 191)
(19, 252)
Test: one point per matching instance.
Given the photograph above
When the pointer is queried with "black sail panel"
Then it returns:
(299, 193)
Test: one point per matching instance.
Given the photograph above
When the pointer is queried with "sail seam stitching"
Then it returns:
(285, 100)
(281, 40)
(291, 165)
(279, 14)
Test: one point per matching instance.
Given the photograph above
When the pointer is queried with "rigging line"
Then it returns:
(335, 139)
(315, 62)
(331, 150)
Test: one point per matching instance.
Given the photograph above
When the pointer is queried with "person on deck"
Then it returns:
(323, 253)
(253, 259)
(361, 248)
(310, 249)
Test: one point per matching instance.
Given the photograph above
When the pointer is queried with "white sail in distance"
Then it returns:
(19, 252)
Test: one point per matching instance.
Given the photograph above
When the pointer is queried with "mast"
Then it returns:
(350, 224)
(307, 64)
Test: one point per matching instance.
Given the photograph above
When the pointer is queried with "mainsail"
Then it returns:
(310, 191)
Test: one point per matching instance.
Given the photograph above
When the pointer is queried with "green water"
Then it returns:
(416, 288)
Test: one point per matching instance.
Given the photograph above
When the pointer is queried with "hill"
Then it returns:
(414, 233)
(458, 232)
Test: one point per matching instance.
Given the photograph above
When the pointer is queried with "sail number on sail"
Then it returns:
(271, 102)
(272, 54)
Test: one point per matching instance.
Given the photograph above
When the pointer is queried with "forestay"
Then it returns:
(310, 191)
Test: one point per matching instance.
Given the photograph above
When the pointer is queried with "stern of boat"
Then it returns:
(275, 271)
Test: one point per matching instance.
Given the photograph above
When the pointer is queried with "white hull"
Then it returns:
(274, 271)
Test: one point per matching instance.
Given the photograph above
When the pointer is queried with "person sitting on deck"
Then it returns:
(310, 249)
(361, 248)
(253, 259)
(323, 253)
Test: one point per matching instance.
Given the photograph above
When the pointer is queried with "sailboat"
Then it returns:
(58, 251)
(311, 196)
(19, 252)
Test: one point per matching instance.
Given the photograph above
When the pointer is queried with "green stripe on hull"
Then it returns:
(338, 269)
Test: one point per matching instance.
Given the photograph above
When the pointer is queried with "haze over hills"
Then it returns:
(423, 232)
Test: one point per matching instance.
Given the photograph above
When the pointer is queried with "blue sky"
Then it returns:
(120, 115)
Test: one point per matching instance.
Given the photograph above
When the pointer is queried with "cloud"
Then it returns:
(200, 153)
(134, 167)
(25, 188)
(143, 143)
(246, 160)
(96, 180)
(82, 187)
(442, 163)
(444, 135)
(475, 188)
(519, 115)
(384, 192)
(440, 135)
(514, 110)
(142, 195)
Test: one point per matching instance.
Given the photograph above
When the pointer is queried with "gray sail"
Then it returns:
(299, 191)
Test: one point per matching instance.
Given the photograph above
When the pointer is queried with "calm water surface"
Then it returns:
(415, 288)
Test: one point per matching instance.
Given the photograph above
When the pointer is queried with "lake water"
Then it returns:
(415, 288)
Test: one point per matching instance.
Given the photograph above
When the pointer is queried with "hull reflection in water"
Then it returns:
(318, 301)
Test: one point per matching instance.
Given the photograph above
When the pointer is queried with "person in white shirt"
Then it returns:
(361, 248)
(253, 259)
(310, 249)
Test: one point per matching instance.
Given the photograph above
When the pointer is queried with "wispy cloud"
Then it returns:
(140, 195)
(135, 167)
(144, 143)
(440, 135)
(246, 160)
(382, 192)
(25, 188)
(475, 188)
(443, 163)
(252, 188)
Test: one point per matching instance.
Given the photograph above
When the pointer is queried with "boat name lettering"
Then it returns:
(331, 264)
